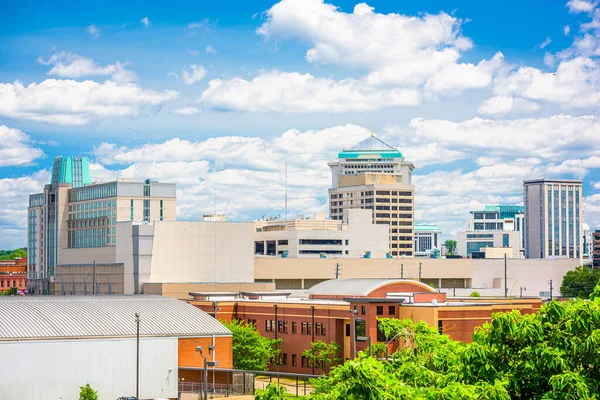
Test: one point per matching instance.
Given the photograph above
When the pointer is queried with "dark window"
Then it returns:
(323, 329)
(304, 361)
(379, 310)
(294, 360)
(440, 326)
(280, 326)
(294, 327)
(348, 330)
(318, 329)
(392, 310)
(285, 327)
(363, 310)
(284, 359)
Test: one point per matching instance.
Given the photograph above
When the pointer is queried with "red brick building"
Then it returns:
(333, 308)
(13, 273)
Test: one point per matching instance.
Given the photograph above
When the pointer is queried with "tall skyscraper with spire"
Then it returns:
(374, 175)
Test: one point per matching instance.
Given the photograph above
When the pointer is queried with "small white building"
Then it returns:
(477, 241)
(353, 237)
(51, 346)
(427, 238)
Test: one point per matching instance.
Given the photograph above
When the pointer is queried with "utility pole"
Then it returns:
(137, 364)
(337, 270)
(94, 279)
(419, 272)
(401, 271)
(505, 277)
(550, 289)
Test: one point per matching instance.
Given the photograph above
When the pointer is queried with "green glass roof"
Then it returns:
(426, 227)
(371, 147)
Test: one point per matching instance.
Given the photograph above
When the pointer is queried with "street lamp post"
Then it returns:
(522, 288)
(206, 365)
(137, 364)
(353, 312)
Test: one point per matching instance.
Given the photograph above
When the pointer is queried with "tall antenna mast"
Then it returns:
(286, 190)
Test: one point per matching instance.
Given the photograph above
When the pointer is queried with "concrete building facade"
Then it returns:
(553, 218)
(427, 238)
(375, 176)
(477, 241)
(72, 213)
(498, 218)
(353, 237)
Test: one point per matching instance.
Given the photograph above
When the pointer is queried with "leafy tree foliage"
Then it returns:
(450, 246)
(10, 292)
(580, 282)
(273, 391)
(474, 294)
(251, 351)
(87, 393)
(323, 354)
(12, 254)
(549, 355)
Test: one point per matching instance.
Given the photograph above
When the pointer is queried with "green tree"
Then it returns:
(251, 350)
(450, 246)
(474, 294)
(580, 282)
(548, 355)
(12, 254)
(273, 391)
(10, 292)
(87, 393)
(322, 354)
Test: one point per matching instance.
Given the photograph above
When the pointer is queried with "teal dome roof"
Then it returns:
(371, 147)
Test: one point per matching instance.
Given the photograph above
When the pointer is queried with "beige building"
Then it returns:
(474, 274)
(492, 243)
(375, 176)
(175, 251)
(553, 218)
(74, 214)
(354, 237)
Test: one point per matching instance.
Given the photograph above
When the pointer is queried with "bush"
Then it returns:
(87, 393)
(474, 294)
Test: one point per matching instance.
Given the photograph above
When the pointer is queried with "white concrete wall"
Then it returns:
(534, 274)
(41, 370)
(202, 252)
(124, 254)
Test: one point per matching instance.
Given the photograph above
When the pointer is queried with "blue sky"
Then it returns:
(216, 96)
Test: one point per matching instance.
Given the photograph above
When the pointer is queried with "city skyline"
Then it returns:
(217, 99)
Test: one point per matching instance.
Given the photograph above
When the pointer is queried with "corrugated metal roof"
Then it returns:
(44, 317)
(355, 287)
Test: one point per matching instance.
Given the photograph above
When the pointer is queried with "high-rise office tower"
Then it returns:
(374, 175)
(553, 218)
(74, 213)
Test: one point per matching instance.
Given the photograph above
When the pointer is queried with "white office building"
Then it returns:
(427, 238)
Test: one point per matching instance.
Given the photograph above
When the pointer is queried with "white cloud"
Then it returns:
(193, 52)
(70, 102)
(202, 26)
(69, 65)
(295, 92)
(210, 50)
(396, 48)
(545, 42)
(145, 21)
(455, 78)
(578, 6)
(195, 74)
(174, 74)
(542, 137)
(15, 148)
(503, 105)
(596, 185)
(93, 31)
(187, 111)
(567, 30)
(576, 83)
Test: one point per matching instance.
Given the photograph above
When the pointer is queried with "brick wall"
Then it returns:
(189, 357)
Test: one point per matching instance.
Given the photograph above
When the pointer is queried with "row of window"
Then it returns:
(15, 283)
(282, 327)
(93, 192)
(388, 215)
(371, 193)
(93, 214)
(36, 200)
(95, 205)
(394, 208)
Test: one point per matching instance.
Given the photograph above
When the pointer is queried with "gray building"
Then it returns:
(553, 218)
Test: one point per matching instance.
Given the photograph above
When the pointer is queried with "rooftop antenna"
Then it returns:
(286, 193)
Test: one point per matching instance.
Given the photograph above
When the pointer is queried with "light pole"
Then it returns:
(137, 364)
(353, 312)
(523, 288)
(206, 365)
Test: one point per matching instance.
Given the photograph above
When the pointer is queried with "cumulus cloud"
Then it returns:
(70, 102)
(93, 31)
(145, 21)
(396, 48)
(567, 30)
(16, 148)
(187, 111)
(193, 74)
(210, 50)
(545, 43)
(503, 105)
(295, 92)
(69, 65)
(578, 6)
